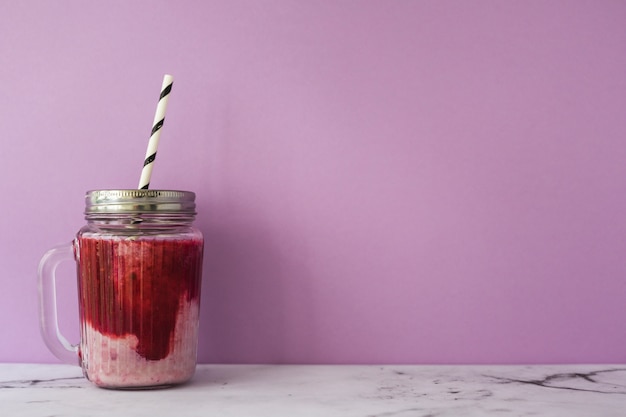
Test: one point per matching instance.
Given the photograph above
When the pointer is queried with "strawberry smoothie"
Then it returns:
(139, 307)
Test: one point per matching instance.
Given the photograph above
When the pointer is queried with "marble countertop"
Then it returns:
(328, 390)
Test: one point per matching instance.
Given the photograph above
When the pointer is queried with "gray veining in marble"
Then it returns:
(350, 391)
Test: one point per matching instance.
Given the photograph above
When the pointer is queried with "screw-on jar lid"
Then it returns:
(139, 201)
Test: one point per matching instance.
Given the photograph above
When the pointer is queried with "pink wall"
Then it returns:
(378, 181)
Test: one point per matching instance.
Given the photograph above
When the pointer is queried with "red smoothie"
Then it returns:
(139, 306)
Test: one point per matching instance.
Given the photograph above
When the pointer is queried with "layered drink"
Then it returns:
(139, 299)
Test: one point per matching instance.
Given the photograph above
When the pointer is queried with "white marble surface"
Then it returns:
(314, 390)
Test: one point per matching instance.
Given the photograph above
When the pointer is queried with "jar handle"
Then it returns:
(48, 322)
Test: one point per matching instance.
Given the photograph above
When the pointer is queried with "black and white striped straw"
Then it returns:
(159, 119)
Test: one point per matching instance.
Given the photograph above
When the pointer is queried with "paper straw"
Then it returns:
(153, 143)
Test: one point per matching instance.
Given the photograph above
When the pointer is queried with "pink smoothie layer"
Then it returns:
(114, 362)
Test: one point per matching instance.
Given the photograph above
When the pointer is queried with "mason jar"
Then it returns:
(139, 270)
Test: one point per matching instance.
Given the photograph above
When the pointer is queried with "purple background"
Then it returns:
(378, 181)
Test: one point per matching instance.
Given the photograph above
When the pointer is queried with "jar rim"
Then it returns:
(134, 201)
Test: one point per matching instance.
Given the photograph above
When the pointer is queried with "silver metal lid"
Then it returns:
(140, 201)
